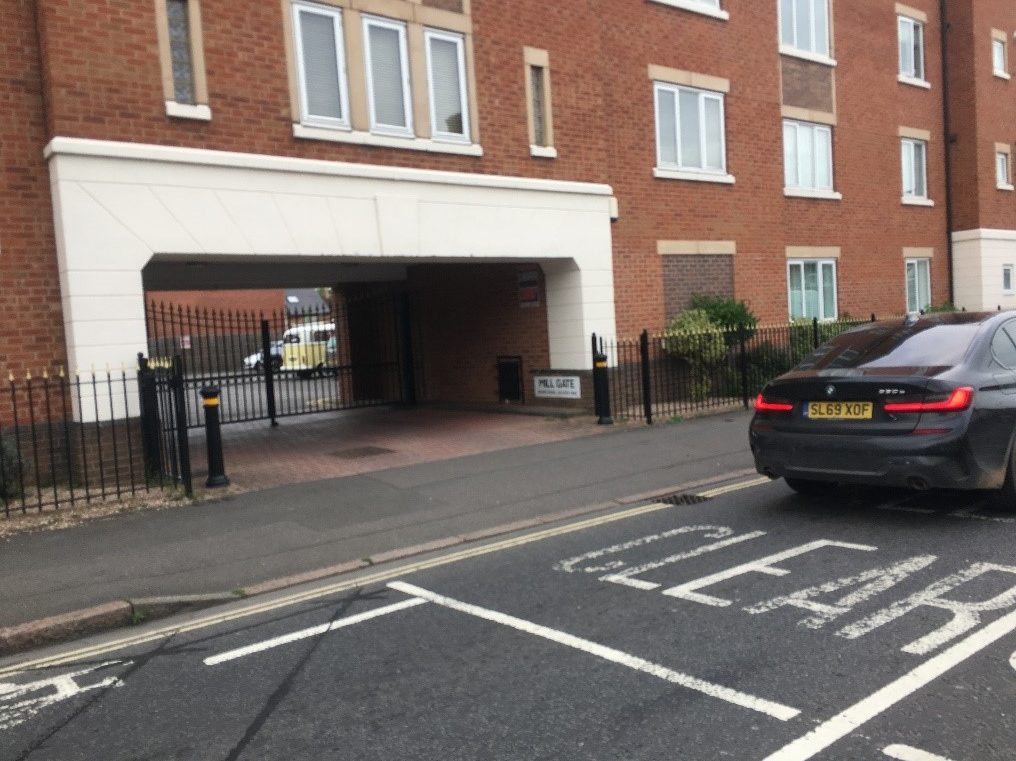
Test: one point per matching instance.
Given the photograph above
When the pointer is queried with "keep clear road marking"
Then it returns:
(312, 631)
(906, 753)
(853, 718)
(768, 707)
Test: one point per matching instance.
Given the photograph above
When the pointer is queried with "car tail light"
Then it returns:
(764, 405)
(959, 399)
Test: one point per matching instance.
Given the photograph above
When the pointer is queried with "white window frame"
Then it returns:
(705, 7)
(910, 144)
(1007, 270)
(921, 266)
(798, 185)
(793, 46)
(820, 264)
(460, 44)
(376, 127)
(1003, 171)
(997, 44)
(703, 95)
(340, 53)
(916, 74)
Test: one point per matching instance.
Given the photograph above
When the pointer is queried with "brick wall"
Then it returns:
(31, 326)
(684, 276)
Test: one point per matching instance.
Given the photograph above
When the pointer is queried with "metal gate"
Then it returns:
(356, 352)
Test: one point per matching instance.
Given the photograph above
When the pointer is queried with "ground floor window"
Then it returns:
(811, 284)
(918, 284)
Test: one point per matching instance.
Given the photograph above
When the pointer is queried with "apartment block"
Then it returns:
(532, 173)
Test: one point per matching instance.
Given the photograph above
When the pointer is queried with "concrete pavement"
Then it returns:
(249, 539)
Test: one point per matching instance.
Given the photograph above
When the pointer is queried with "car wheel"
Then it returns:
(808, 487)
(1005, 498)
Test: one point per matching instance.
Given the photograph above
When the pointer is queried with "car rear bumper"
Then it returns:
(917, 461)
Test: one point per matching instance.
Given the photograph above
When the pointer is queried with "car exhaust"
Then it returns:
(917, 483)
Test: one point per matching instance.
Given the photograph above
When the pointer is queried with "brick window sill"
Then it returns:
(199, 112)
(685, 174)
(354, 137)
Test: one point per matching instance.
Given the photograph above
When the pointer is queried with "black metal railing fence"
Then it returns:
(673, 374)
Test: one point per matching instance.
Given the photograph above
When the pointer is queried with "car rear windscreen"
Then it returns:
(920, 344)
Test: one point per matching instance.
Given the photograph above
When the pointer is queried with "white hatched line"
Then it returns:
(768, 707)
(906, 753)
(312, 631)
(853, 718)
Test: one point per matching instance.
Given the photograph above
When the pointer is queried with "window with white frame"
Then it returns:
(446, 85)
(915, 168)
(811, 285)
(1007, 282)
(911, 39)
(689, 129)
(999, 65)
(387, 66)
(807, 155)
(1003, 176)
(321, 64)
(918, 284)
(804, 25)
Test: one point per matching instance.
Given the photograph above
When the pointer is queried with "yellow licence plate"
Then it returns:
(839, 410)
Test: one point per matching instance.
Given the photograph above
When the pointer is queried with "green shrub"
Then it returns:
(945, 306)
(10, 470)
(694, 339)
(727, 314)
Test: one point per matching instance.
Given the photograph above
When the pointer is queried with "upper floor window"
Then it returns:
(804, 26)
(321, 62)
(1003, 170)
(807, 155)
(538, 103)
(811, 287)
(911, 40)
(689, 129)
(181, 57)
(999, 55)
(446, 83)
(387, 65)
(915, 169)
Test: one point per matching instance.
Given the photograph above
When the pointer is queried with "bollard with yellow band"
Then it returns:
(213, 437)
(601, 384)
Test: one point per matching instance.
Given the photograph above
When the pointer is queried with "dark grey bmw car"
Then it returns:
(923, 402)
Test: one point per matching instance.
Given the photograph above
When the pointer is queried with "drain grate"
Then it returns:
(683, 499)
(355, 453)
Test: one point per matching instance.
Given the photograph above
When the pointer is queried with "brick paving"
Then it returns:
(328, 445)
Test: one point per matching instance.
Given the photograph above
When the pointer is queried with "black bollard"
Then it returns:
(213, 437)
(601, 389)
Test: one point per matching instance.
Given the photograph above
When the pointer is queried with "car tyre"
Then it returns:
(810, 488)
(1005, 498)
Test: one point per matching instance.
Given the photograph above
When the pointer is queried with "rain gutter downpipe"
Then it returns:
(949, 138)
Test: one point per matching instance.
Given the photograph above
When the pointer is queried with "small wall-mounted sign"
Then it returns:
(557, 387)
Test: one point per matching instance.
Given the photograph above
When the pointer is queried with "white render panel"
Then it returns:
(978, 257)
(118, 205)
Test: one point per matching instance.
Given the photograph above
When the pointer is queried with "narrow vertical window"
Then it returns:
(539, 111)
(387, 76)
(998, 58)
(911, 39)
(537, 88)
(446, 84)
(180, 51)
(918, 273)
(322, 67)
(1003, 178)
(914, 165)
(1007, 281)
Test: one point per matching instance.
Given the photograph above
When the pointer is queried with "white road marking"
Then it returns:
(966, 615)
(313, 631)
(857, 715)
(768, 707)
(966, 513)
(906, 753)
(1012, 660)
(625, 577)
(18, 705)
(687, 591)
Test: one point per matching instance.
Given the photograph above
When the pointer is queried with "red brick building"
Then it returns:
(531, 176)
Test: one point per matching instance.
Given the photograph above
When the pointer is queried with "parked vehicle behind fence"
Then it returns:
(305, 348)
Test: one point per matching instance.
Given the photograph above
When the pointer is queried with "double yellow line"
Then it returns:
(378, 577)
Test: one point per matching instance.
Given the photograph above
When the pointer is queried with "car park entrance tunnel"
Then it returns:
(494, 263)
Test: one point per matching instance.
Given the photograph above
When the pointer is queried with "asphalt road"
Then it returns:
(755, 625)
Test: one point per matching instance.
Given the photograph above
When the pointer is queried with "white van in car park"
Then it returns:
(305, 347)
